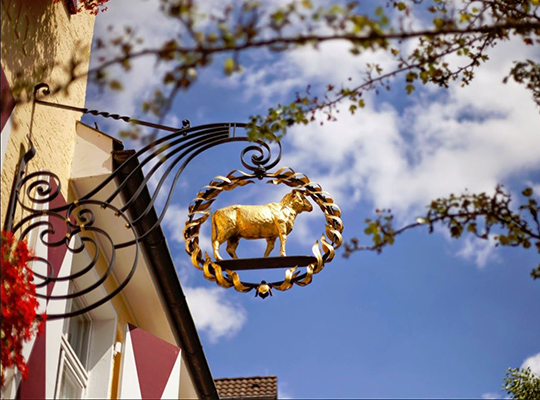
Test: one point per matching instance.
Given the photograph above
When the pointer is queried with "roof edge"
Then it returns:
(156, 249)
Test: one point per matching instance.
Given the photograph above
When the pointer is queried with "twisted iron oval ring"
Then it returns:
(323, 251)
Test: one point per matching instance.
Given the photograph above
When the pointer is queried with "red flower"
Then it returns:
(94, 6)
(20, 321)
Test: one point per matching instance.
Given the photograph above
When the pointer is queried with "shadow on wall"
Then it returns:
(30, 43)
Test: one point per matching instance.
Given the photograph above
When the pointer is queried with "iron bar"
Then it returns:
(266, 263)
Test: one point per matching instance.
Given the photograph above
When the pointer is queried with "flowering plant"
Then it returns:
(94, 6)
(20, 321)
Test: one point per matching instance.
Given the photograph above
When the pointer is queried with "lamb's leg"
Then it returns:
(215, 246)
(215, 238)
(232, 244)
(269, 246)
(282, 240)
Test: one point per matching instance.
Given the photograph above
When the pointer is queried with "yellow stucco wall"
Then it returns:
(39, 41)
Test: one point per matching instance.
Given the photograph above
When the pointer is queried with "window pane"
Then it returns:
(70, 388)
(78, 332)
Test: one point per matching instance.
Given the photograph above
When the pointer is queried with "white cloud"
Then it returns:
(283, 391)
(471, 137)
(214, 313)
(175, 220)
(352, 155)
(264, 85)
(447, 141)
(154, 28)
(273, 78)
(533, 362)
(333, 62)
(185, 269)
(491, 395)
(478, 250)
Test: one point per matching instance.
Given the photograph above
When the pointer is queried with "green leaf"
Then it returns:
(527, 192)
(472, 227)
(456, 230)
(504, 240)
(228, 66)
(115, 85)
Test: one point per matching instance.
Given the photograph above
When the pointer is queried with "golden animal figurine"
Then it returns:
(268, 222)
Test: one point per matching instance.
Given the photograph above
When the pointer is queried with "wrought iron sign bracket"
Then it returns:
(76, 225)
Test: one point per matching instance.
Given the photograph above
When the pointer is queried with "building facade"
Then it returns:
(142, 342)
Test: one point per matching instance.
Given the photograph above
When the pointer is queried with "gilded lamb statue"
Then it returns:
(268, 222)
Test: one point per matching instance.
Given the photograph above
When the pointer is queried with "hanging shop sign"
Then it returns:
(122, 199)
(272, 222)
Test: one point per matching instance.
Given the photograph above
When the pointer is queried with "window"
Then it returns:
(77, 331)
(71, 386)
(73, 372)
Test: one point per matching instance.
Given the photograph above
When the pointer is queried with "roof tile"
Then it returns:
(253, 387)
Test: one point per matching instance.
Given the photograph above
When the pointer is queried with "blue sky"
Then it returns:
(430, 316)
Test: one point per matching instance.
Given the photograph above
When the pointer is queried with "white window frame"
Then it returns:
(69, 359)
(69, 321)
(100, 345)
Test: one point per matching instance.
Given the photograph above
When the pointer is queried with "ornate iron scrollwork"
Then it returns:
(77, 226)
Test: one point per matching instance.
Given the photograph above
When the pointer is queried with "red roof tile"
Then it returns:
(254, 387)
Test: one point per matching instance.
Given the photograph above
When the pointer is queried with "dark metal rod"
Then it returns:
(105, 114)
(187, 134)
(191, 141)
(193, 146)
(19, 174)
(246, 264)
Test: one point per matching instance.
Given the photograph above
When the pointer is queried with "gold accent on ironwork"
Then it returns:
(238, 285)
(263, 290)
(228, 218)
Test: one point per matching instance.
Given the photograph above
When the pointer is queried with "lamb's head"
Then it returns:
(297, 200)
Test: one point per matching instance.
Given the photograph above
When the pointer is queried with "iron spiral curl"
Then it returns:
(76, 228)
(39, 189)
(261, 158)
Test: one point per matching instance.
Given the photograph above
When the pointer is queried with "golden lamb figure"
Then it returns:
(268, 222)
